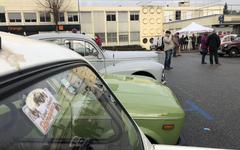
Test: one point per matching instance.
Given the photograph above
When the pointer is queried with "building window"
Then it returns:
(135, 36)
(178, 15)
(123, 37)
(134, 16)
(14, 17)
(72, 17)
(61, 17)
(112, 37)
(111, 16)
(30, 17)
(2, 17)
(45, 17)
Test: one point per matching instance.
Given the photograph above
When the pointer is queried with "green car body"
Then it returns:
(151, 105)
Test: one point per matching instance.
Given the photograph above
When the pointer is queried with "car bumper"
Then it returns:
(153, 128)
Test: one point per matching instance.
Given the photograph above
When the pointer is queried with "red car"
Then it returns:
(231, 48)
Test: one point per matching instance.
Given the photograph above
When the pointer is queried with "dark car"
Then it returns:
(231, 48)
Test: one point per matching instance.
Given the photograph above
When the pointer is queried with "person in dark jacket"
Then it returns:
(193, 41)
(186, 42)
(213, 44)
(204, 48)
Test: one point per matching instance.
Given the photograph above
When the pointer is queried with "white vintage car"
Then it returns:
(41, 76)
(145, 63)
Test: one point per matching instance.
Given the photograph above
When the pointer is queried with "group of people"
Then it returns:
(173, 45)
(210, 44)
(190, 42)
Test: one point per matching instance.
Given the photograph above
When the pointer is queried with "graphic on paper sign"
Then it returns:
(42, 109)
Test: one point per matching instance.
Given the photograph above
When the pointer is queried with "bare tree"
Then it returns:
(54, 7)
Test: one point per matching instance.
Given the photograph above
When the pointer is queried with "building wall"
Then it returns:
(231, 23)
(205, 21)
(151, 24)
(122, 31)
(190, 12)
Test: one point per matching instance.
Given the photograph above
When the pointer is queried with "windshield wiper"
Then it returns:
(79, 143)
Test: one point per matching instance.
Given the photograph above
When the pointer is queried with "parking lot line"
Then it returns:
(196, 108)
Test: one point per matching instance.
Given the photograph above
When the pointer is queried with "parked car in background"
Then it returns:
(228, 38)
(52, 98)
(152, 105)
(105, 61)
(231, 48)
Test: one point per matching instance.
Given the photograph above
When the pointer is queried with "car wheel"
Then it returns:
(143, 73)
(233, 52)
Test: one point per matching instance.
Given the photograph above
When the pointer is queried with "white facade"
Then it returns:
(116, 25)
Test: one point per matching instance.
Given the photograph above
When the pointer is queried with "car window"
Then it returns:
(65, 111)
(82, 47)
(227, 39)
(237, 39)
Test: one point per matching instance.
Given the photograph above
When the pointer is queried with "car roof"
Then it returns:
(60, 35)
(18, 53)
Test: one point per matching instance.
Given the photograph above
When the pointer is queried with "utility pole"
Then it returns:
(79, 18)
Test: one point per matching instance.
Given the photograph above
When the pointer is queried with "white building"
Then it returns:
(116, 25)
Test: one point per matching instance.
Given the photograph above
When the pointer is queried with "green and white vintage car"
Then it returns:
(152, 105)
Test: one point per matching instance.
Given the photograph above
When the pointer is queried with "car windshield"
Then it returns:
(69, 110)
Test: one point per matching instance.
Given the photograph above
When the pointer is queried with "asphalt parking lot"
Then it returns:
(210, 96)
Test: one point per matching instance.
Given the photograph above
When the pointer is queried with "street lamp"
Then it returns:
(79, 18)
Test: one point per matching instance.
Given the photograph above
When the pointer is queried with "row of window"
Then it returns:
(32, 17)
(112, 17)
(46, 17)
(123, 37)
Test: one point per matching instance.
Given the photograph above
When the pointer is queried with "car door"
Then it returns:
(62, 107)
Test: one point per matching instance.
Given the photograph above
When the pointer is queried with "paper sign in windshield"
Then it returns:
(42, 109)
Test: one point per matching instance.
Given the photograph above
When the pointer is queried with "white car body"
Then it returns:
(146, 63)
(19, 53)
(228, 38)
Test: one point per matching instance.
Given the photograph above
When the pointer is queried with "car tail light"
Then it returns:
(168, 126)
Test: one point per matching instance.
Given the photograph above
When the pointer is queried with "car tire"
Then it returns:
(233, 52)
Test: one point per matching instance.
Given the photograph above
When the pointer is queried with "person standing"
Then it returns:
(176, 42)
(189, 47)
(199, 38)
(186, 42)
(213, 43)
(182, 43)
(98, 40)
(204, 47)
(193, 41)
(168, 48)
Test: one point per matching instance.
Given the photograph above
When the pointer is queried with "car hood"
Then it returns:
(144, 97)
(130, 54)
